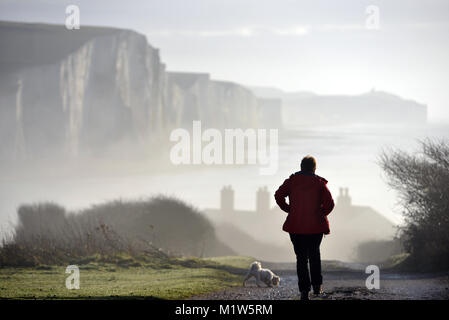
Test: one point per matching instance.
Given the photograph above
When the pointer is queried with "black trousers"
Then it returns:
(307, 250)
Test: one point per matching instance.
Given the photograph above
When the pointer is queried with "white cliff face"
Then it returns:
(74, 79)
(98, 88)
(19, 143)
(218, 104)
(122, 73)
(110, 93)
(135, 68)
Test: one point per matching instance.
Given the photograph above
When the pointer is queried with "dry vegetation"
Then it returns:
(159, 227)
(422, 182)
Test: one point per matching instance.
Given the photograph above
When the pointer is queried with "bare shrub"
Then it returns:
(422, 182)
(158, 227)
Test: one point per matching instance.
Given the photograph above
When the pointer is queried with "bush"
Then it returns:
(378, 250)
(422, 181)
(163, 222)
(157, 227)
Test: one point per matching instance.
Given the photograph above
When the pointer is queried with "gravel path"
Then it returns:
(344, 285)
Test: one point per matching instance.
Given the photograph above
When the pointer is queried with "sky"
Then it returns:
(320, 46)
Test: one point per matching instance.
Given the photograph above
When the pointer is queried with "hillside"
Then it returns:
(379, 107)
(158, 227)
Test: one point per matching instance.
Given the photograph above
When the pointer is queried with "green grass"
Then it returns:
(126, 278)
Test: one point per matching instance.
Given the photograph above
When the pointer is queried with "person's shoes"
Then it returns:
(317, 290)
(305, 295)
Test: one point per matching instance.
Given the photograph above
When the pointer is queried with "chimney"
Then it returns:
(263, 200)
(227, 199)
(344, 200)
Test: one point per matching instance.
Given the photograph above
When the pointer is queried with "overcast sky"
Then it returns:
(320, 46)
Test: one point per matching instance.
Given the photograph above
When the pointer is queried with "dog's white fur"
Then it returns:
(262, 275)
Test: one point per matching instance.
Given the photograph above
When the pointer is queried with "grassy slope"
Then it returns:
(126, 278)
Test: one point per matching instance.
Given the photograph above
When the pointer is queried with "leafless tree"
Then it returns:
(422, 182)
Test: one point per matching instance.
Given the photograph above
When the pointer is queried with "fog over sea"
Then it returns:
(346, 154)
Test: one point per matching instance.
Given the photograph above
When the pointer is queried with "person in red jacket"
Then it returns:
(310, 201)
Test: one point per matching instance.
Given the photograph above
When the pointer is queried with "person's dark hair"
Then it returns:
(308, 163)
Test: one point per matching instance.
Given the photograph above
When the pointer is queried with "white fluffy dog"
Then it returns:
(262, 275)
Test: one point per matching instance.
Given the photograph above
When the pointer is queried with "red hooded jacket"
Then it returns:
(310, 201)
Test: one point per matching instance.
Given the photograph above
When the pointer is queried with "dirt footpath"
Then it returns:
(343, 285)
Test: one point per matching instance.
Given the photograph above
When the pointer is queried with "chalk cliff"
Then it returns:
(76, 92)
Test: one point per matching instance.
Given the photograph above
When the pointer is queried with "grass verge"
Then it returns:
(126, 278)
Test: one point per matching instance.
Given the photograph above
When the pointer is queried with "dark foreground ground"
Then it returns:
(343, 285)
